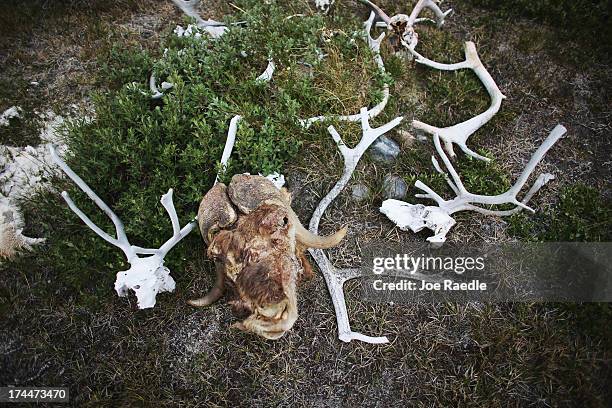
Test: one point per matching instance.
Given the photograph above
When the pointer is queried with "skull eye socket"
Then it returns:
(285, 221)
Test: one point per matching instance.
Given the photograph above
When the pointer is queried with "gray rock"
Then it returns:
(384, 149)
(394, 187)
(360, 192)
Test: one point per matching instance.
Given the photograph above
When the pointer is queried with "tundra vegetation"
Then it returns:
(62, 324)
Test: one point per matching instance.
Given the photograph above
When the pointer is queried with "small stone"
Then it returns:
(394, 187)
(360, 192)
(384, 149)
(406, 138)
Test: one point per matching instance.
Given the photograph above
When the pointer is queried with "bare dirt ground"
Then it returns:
(439, 355)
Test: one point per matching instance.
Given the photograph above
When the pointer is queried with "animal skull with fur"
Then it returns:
(258, 244)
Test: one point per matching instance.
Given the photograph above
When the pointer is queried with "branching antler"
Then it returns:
(403, 25)
(460, 132)
(147, 276)
(417, 216)
(335, 277)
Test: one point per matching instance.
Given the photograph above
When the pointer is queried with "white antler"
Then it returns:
(147, 276)
(266, 76)
(215, 28)
(335, 277)
(374, 45)
(460, 132)
(433, 6)
(229, 143)
(403, 25)
(438, 219)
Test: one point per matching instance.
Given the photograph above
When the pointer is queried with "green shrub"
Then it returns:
(581, 215)
(137, 148)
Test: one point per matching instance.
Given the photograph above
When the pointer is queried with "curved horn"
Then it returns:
(215, 293)
(310, 240)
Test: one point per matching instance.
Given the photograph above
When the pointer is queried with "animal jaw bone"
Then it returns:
(335, 277)
(374, 45)
(460, 132)
(147, 276)
(439, 218)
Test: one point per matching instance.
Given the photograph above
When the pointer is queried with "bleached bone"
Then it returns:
(403, 25)
(335, 277)
(374, 45)
(12, 239)
(229, 143)
(157, 94)
(147, 276)
(417, 217)
(266, 76)
(215, 28)
(324, 5)
(460, 132)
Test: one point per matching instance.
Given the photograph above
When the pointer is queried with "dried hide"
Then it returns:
(257, 243)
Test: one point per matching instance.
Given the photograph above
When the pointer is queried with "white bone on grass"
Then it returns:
(215, 28)
(11, 113)
(266, 76)
(229, 143)
(335, 277)
(277, 179)
(417, 217)
(156, 94)
(324, 5)
(460, 132)
(374, 45)
(147, 276)
(409, 35)
(23, 172)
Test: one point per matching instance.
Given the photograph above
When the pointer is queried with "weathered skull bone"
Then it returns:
(402, 25)
(417, 217)
(257, 243)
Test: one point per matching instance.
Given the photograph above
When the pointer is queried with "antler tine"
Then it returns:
(377, 10)
(121, 241)
(433, 6)
(168, 203)
(552, 138)
(448, 164)
(177, 233)
(460, 132)
(229, 143)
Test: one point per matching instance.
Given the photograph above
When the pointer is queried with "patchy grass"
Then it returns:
(581, 215)
(578, 21)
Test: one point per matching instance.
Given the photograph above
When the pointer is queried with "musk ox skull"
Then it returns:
(257, 243)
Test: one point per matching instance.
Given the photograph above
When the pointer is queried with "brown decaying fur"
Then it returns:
(258, 244)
